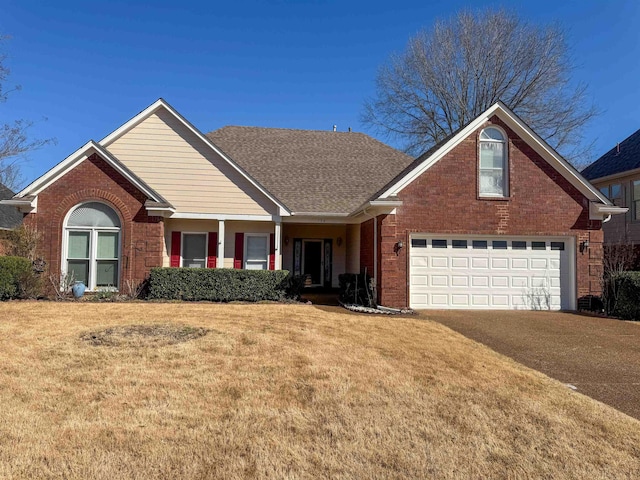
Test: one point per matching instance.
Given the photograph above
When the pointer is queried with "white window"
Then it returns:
(91, 249)
(493, 163)
(194, 250)
(256, 251)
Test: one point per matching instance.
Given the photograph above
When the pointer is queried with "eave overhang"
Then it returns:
(27, 204)
(600, 211)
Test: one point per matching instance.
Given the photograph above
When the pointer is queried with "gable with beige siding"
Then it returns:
(188, 173)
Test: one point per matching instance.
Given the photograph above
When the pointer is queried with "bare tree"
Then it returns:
(14, 141)
(450, 74)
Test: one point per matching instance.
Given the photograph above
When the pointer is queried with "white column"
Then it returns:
(278, 242)
(220, 263)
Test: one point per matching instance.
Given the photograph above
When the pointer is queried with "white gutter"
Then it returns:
(25, 205)
(597, 211)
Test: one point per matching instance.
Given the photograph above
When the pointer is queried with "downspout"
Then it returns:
(375, 249)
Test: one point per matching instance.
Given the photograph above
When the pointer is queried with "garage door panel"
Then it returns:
(440, 300)
(459, 300)
(460, 262)
(499, 282)
(459, 281)
(419, 261)
(519, 282)
(499, 263)
(480, 300)
(479, 263)
(479, 281)
(439, 262)
(538, 264)
(490, 272)
(519, 263)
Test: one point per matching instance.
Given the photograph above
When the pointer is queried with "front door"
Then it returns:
(312, 262)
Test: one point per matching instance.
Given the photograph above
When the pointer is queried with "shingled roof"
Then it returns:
(617, 160)
(10, 217)
(313, 170)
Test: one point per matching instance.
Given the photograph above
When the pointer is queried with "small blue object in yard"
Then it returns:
(78, 289)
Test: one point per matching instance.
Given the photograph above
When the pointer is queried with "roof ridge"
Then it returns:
(308, 130)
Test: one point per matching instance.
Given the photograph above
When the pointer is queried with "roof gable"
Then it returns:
(425, 161)
(162, 104)
(623, 158)
(75, 159)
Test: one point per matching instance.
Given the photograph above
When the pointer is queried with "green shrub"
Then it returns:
(14, 273)
(217, 285)
(623, 295)
(294, 285)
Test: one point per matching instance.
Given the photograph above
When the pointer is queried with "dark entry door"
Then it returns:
(312, 261)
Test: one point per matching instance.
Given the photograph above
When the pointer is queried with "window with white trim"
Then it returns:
(493, 163)
(636, 199)
(256, 251)
(92, 246)
(194, 250)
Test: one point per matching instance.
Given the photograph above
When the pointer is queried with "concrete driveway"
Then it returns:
(601, 357)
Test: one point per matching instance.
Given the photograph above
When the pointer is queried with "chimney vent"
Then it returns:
(349, 129)
(335, 128)
(618, 148)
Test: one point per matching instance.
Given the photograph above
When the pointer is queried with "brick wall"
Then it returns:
(94, 179)
(445, 200)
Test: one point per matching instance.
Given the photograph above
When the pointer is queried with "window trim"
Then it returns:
(635, 203)
(93, 247)
(206, 247)
(505, 169)
(245, 256)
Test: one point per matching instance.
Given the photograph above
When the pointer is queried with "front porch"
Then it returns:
(320, 252)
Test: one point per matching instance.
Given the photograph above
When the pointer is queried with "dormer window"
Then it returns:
(493, 163)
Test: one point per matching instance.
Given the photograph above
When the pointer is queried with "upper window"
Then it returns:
(256, 248)
(493, 163)
(92, 245)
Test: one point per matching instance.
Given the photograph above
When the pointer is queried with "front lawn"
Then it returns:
(111, 391)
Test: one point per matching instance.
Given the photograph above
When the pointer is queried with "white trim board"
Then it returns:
(524, 132)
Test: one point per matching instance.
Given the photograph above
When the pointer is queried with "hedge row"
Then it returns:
(218, 285)
(622, 293)
(13, 270)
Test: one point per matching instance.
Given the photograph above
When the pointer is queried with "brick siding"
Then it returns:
(444, 200)
(95, 180)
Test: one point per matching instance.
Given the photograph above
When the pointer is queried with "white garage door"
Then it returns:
(491, 272)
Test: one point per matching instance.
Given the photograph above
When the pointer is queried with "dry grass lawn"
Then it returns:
(283, 391)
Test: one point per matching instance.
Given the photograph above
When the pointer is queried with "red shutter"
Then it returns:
(212, 250)
(272, 252)
(175, 249)
(238, 257)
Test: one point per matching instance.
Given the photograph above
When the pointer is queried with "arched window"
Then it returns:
(493, 163)
(91, 248)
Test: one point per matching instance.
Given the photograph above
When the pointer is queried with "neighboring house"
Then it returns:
(490, 218)
(617, 175)
(10, 217)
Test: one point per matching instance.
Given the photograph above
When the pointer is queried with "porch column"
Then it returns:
(278, 243)
(220, 263)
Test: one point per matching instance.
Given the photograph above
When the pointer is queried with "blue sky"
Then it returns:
(87, 67)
